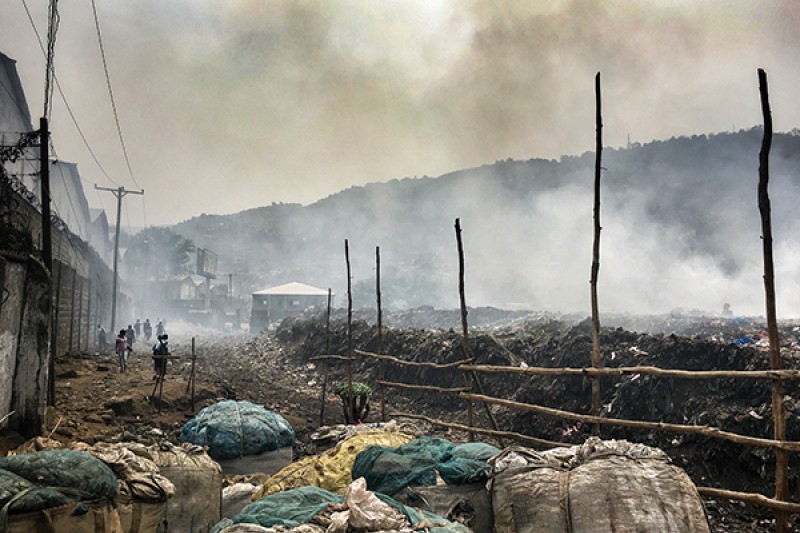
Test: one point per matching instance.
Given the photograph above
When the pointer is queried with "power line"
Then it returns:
(111, 94)
(66, 103)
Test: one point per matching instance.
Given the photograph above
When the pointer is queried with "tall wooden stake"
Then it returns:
(349, 334)
(597, 356)
(464, 328)
(327, 351)
(380, 328)
(778, 414)
(465, 336)
(192, 376)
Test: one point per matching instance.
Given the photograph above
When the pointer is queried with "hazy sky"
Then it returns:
(231, 104)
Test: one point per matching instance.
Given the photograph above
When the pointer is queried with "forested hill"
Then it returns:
(680, 229)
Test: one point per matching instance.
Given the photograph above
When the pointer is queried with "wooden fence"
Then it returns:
(467, 394)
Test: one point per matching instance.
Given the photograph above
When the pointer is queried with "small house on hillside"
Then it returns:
(279, 302)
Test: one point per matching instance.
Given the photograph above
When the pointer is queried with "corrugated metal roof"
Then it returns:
(294, 288)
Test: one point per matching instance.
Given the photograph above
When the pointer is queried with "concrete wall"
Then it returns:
(78, 294)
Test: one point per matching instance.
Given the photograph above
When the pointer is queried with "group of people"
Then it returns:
(133, 332)
(127, 337)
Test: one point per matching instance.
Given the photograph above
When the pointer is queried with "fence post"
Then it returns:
(380, 329)
(597, 356)
(349, 335)
(778, 414)
(325, 365)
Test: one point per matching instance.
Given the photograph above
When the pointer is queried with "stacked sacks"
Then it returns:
(232, 429)
(69, 490)
(332, 470)
(143, 491)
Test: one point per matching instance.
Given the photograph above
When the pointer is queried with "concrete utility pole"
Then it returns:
(120, 193)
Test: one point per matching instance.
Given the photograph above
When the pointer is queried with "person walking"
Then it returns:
(131, 335)
(148, 329)
(137, 327)
(159, 328)
(160, 353)
(102, 339)
(122, 350)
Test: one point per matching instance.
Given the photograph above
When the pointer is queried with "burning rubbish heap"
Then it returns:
(284, 374)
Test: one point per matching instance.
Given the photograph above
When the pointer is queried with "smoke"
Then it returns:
(232, 105)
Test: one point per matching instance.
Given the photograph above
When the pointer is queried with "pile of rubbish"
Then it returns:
(430, 483)
(736, 405)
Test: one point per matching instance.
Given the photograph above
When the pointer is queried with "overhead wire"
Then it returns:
(50, 81)
(111, 94)
(66, 103)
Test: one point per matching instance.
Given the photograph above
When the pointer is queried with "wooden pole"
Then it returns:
(778, 414)
(465, 335)
(192, 376)
(72, 309)
(597, 356)
(349, 334)
(327, 350)
(464, 328)
(90, 339)
(114, 285)
(47, 251)
(120, 193)
(80, 313)
(380, 330)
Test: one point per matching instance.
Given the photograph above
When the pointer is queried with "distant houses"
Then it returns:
(276, 303)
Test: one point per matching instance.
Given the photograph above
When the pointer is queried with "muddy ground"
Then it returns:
(95, 402)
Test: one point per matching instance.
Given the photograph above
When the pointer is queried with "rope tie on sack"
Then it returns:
(241, 432)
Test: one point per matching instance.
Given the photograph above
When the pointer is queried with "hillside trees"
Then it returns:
(158, 253)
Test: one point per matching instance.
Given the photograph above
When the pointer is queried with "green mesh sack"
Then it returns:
(437, 524)
(468, 464)
(11, 485)
(74, 473)
(233, 429)
(389, 470)
(296, 507)
(289, 508)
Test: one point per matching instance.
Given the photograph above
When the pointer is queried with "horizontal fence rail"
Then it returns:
(706, 431)
(403, 362)
(649, 370)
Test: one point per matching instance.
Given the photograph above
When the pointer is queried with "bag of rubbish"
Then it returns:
(96, 516)
(361, 510)
(419, 462)
(597, 486)
(60, 490)
(289, 508)
(196, 505)
(331, 470)
(236, 428)
(79, 473)
(236, 497)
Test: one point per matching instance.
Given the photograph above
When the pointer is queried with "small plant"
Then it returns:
(361, 394)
